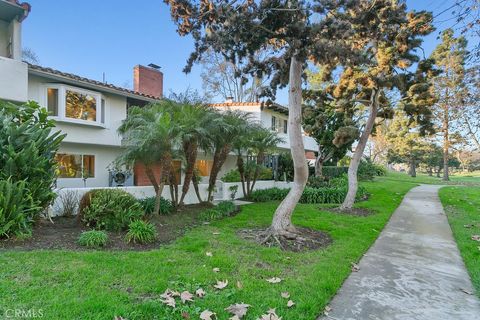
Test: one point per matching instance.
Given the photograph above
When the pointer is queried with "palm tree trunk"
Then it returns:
(151, 177)
(195, 187)
(353, 168)
(219, 158)
(241, 171)
(260, 159)
(282, 219)
(190, 150)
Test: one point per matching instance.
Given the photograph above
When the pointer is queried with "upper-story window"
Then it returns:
(279, 125)
(75, 105)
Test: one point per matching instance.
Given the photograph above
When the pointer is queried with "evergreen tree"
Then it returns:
(449, 57)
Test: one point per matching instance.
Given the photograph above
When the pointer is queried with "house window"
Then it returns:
(204, 167)
(75, 105)
(279, 125)
(52, 101)
(81, 106)
(75, 165)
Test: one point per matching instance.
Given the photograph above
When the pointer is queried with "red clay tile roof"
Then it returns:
(24, 5)
(70, 76)
(272, 106)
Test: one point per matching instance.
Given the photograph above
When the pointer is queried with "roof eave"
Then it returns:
(89, 85)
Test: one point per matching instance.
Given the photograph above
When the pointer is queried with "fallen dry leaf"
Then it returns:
(221, 284)
(208, 315)
(476, 237)
(209, 254)
(186, 296)
(119, 318)
(238, 309)
(216, 269)
(327, 310)
(270, 315)
(200, 293)
(290, 303)
(185, 315)
(169, 301)
(355, 267)
(467, 291)
(234, 318)
(468, 225)
(215, 233)
(274, 280)
(239, 284)
(167, 293)
(285, 295)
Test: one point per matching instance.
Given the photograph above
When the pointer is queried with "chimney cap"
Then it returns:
(154, 66)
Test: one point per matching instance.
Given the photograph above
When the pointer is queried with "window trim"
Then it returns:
(62, 94)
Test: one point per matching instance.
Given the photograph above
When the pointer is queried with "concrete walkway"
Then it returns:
(413, 271)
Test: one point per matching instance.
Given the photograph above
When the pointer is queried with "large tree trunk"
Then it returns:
(219, 158)
(282, 219)
(357, 156)
(446, 145)
(430, 171)
(319, 165)
(190, 150)
(162, 176)
(471, 133)
(412, 171)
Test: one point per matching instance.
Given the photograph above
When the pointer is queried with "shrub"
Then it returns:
(140, 231)
(111, 209)
(28, 146)
(233, 191)
(234, 176)
(148, 205)
(221, 210)
(332, 194)
(318, 182)
(367, 170)
(93, 239)
(334, 172)
(17, 208)
(67, 203)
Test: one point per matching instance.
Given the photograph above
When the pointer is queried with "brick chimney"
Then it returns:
(148, 80)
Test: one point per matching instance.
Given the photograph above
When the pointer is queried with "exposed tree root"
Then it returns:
(300, 239)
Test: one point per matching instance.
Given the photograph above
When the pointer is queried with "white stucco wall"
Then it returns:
(13, 80)
(4, 38)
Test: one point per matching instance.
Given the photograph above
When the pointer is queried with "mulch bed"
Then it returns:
(63, 233)
(360, 212)
(306, 239)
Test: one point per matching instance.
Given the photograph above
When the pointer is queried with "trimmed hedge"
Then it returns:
(310, 195)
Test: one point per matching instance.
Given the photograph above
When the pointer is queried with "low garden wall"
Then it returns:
(222, 192)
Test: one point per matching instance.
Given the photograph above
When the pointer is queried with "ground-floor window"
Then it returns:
(75, 165)
(204, 167)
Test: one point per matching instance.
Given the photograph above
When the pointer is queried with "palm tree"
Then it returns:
(223, 129)
(263, 141)
(151, 135)
(193, 120)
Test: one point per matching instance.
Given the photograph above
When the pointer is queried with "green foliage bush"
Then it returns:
(367, 170)
(28, 145)
(234, 176)
(332, 194)
(111, 209)
(221, 210)
(17, 208)
(148, 205)
(93, 239)
(334, 172)
(140, 231)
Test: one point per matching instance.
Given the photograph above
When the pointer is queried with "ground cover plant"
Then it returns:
(67, 284)
(140, 231)
(461, 204)
(93, 239)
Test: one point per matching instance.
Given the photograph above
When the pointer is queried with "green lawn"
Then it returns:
(462, 206)
(102, 284)
(470, 179)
